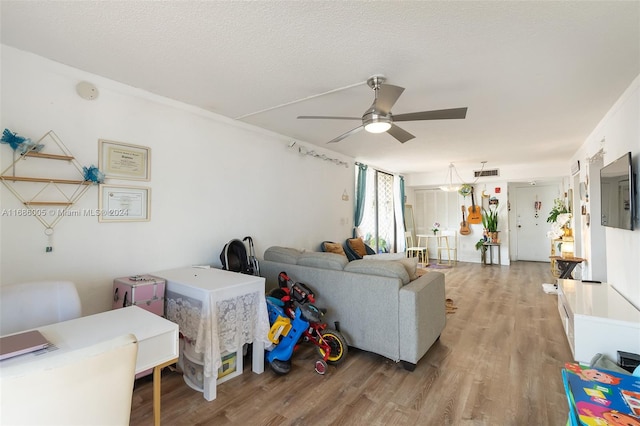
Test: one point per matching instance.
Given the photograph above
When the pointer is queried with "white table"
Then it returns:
(157, 340)
(439, 238)
(218, 311)
(597, 319)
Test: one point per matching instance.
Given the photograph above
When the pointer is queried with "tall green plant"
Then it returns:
(558, 208)
(490, 219)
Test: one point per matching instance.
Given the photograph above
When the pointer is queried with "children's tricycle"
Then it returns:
(294, 319)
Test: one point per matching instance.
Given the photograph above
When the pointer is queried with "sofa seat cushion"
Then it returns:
(323, 260)
(282, 255)
(383, 268)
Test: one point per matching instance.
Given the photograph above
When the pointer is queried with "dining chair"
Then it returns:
(414, 250)
(88, 386)
(447, 241)
(33, 304)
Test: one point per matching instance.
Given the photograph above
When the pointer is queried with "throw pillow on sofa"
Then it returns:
(357, 245)
(336, 248)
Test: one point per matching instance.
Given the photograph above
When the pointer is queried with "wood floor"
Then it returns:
(497, 362)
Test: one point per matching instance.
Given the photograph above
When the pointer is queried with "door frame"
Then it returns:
(513, 221)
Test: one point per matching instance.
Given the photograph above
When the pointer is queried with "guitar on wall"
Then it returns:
(475, 216)
(464, 225)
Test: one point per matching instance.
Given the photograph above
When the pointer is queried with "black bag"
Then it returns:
(234, 257)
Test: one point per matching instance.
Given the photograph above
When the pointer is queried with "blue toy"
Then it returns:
(280, 357)
(295, 319)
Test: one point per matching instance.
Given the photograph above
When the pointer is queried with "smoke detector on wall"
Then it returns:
(87, 90)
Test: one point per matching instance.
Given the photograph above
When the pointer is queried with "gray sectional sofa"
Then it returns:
(378, 306)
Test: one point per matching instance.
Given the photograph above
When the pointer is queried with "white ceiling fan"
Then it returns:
(378, 118)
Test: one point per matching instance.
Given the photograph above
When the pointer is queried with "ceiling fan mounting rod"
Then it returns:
(375, 81)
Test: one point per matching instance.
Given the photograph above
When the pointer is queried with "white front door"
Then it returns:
(531, 225)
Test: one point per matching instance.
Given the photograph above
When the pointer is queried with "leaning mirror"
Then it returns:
(409, 224)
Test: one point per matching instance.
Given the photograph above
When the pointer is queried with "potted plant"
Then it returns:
(560, 219)
(490, 223)
(558, 209)
(483, 249)
(380, 245)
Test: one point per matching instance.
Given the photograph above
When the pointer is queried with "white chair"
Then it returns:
(447, 241)
(412, 251)
(34, 304)
(88, 386)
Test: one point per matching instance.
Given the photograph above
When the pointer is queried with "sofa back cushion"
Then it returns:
(384, 268)
(323, 260)
(282, 255)
(411, 265)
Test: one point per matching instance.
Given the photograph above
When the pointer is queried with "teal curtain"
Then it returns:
(361, 185)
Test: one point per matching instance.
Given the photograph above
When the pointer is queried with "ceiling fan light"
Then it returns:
(377, 127)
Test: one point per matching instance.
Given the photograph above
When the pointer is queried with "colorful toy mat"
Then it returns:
(601, 397)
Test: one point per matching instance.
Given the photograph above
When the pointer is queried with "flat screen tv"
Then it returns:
(617, 186)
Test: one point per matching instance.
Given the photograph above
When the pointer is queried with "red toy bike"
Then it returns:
(330, 343)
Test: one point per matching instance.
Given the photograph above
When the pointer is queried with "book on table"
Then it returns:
(21, 343)
(601, 397)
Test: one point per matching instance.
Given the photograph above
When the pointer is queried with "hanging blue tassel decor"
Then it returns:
(19, 144)
(93, 174)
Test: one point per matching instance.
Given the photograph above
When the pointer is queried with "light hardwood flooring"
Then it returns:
(497, 362)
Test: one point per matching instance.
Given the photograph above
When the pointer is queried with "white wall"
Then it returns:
(616, 134)
(431, 205)
(212, 179)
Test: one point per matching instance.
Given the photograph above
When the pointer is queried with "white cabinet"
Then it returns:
(597, 319)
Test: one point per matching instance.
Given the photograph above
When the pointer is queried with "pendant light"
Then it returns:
(451, 187)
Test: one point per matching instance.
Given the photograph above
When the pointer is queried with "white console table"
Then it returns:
(218, 311)
(597, 319)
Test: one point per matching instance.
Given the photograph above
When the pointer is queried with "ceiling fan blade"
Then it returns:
(387, 97)
(324, 117)
(400, 134)
(440, 114)
(344, 135)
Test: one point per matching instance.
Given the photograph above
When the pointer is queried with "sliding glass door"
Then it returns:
(379, 221)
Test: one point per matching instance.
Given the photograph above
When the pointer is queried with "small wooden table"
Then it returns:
(567, 265)
(489, 247)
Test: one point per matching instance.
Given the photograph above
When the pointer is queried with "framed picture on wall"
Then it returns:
(120, 203)
(124, 161)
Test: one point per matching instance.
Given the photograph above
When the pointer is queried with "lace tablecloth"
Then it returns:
(217, 311)
(238, 320)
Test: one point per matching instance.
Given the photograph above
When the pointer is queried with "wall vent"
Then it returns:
(486, 173)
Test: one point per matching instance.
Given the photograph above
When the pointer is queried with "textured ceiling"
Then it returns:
(537, 77)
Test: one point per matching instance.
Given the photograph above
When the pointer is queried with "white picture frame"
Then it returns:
(120, 160)
(122, 203)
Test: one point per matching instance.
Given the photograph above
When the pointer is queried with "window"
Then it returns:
(379, 221)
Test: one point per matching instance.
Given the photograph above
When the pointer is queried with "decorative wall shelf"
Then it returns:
(49, 156)
(63, 190)
(45, 180)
